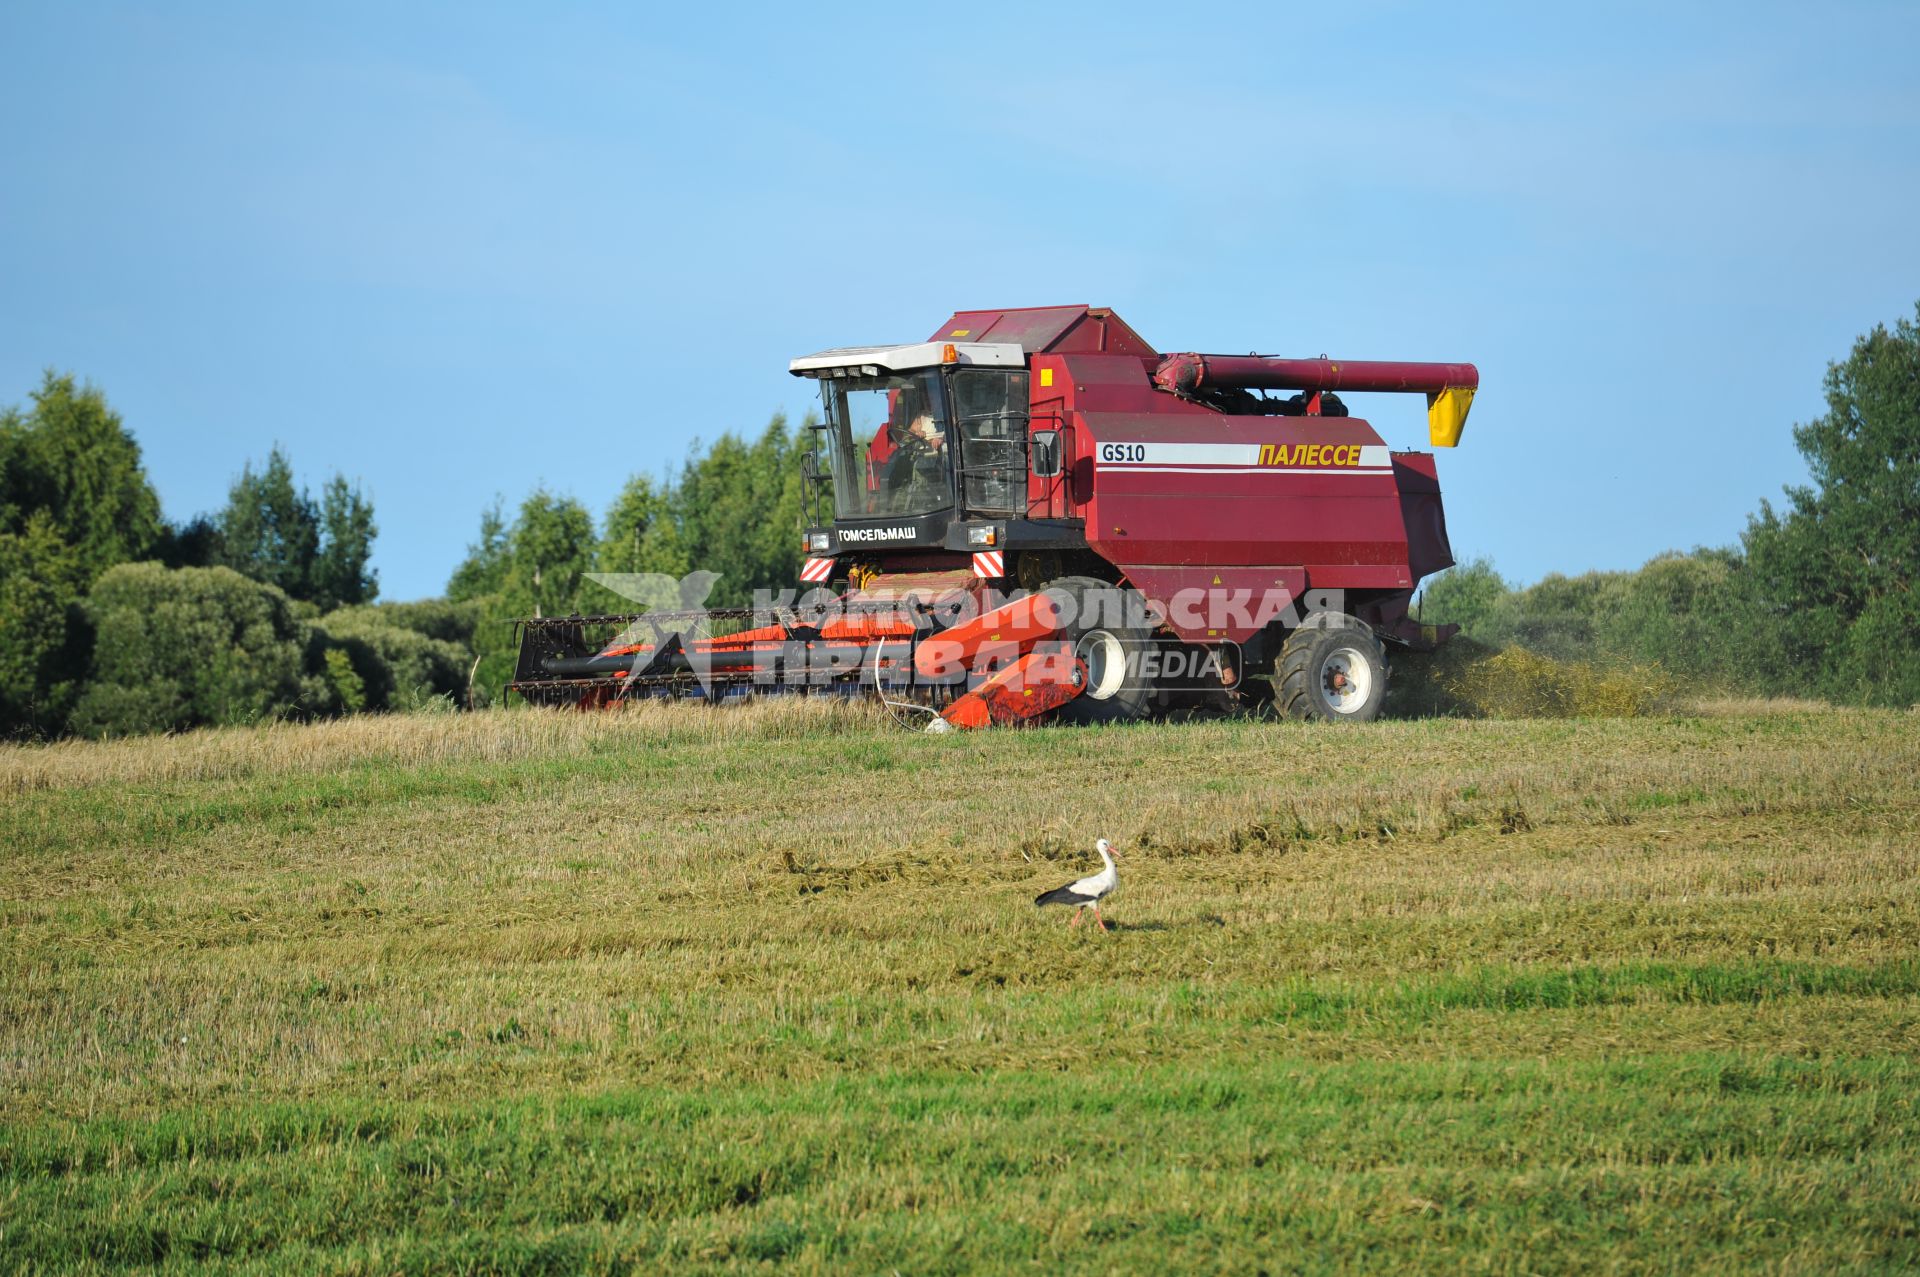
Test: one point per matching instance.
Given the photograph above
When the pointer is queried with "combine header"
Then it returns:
(1035, 515)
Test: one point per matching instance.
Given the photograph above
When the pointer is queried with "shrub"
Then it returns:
(441, 619)
(347, 685)
(400, 668)
(187, 647)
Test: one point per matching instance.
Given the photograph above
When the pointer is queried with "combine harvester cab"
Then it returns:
(1035, 515)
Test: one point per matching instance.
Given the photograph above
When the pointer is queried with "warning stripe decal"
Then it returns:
(989, 564)
(815, 570)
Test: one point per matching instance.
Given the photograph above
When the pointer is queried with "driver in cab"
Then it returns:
(928, 432)
(916, 473)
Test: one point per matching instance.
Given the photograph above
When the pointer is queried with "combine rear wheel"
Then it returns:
(1332, 669)
(1110, 633)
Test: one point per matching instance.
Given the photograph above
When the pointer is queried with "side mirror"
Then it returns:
(1044, 449)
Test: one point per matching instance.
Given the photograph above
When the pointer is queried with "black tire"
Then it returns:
(1331, 670)
(1108, 624)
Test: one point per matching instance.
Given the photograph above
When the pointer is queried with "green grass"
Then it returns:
(672, 991)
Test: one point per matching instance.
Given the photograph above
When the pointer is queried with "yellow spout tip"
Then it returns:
(1447, 415)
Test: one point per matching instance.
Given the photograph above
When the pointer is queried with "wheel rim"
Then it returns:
(1346, 679)
(1106, 661)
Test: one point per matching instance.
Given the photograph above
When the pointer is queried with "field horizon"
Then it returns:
(676, 990)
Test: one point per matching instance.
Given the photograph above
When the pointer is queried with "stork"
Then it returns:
(1087, 891)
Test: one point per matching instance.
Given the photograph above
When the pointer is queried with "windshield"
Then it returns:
(887, 444)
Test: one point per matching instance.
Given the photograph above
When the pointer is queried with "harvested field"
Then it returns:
(677, 990)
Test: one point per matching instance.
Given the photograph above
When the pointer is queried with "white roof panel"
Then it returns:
(922, 354)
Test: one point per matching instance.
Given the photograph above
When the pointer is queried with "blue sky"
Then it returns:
(464, 250)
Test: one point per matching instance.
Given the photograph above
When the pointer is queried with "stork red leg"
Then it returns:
(1076, 917)
(1102, 921)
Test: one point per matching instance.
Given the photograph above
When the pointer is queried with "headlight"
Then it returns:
(983, 536)
(818, 540)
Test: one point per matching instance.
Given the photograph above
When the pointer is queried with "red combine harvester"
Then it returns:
(1034, 515)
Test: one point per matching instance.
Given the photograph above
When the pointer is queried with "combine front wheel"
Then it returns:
(1110, 632)
(1334, 671)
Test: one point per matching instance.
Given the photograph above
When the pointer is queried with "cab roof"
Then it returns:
(991, 338)
(854, 360)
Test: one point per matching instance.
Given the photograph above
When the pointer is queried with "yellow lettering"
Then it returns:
(1266, 454)
(1313, 454)
(1341, 454)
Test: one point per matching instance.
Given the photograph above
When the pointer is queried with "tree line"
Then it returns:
(734, 509)
(115, 620)
(1816, 599)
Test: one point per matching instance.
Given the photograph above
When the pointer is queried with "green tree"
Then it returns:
(1697, 616)
(535, 566)
(739, 507)
(480, 581)
(277, 534)
(1694, 615)
(70, 457)
(642, 531)
(1841, 560)
(734, 510)
(43, 632)
(192, 544)
(341, 575)
(641, 546)
(1560, 616)
(270, 530)
(483, 573)
(552, 551)
(74, 501)
(1470, 595)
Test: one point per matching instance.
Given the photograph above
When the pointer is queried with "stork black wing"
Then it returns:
(1062, 896)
